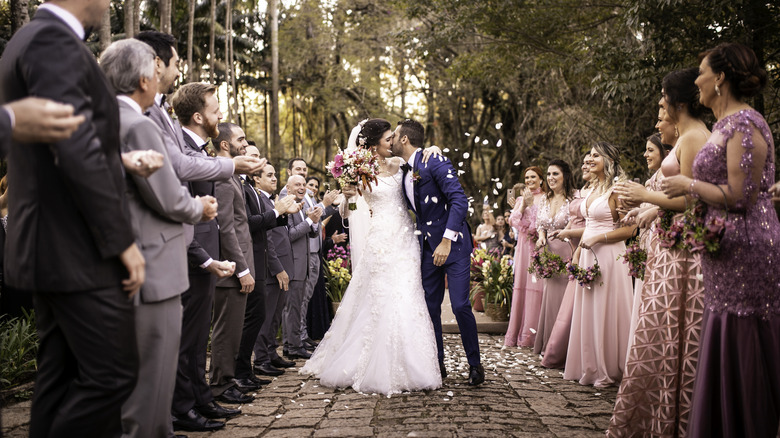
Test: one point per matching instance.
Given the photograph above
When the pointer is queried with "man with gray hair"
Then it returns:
(158, 206)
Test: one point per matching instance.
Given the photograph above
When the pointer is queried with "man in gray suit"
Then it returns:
(158, 206)
(288, 251)
(235, 244)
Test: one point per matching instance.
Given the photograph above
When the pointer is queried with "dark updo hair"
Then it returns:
(679, 87)
(740, 66)
(663, 148)
(372, 132)
(568, 179)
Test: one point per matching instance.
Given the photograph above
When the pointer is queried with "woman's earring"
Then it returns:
(717, 90)
(676, 132)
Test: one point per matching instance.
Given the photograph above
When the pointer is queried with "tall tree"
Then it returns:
(165, 15)
(128, 11)
(190, 39)
(276, 141)
(20, 14)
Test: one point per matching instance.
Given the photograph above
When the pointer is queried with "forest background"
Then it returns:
(500, 85)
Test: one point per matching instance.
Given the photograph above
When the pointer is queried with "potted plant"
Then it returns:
(478, 259)
(337, 275)
(497, 282)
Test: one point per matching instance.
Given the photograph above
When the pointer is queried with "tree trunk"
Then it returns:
(276, 141)
(20, 14)
(129, 18)
(190, 31)
(228, 56)
(104, 35)
(165, 15)
(136, 17)
(212, 39)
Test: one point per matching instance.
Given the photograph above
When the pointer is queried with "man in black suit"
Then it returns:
(193, 406)
(70, 242)
(33, 119)
(261, 218)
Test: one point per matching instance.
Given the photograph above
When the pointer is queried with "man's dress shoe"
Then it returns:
(282, 363)
(258, 381)
(213, 410)
(476, 375)
(234, 396)
(195, 422)
(246, 385)
(267, 369)
(298, 354)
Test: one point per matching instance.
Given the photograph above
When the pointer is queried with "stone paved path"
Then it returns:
(519, 398)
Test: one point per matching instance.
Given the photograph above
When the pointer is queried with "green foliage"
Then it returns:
(18, 349)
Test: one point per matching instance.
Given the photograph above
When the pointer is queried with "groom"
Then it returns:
(434, 193)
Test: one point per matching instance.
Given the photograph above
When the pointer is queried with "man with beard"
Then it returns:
(193, 407)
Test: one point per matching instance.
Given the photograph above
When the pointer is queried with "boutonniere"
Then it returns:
(416, 176)
(171, 112)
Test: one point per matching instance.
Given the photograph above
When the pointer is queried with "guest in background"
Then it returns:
(526, 294)
(318, 310)
(737, 385)
(485, 235)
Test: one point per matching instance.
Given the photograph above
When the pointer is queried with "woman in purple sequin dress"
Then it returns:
(737, 387)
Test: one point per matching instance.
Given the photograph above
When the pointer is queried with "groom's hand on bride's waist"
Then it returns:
(442, 252)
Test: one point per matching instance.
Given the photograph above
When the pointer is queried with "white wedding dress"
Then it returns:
(382, 339)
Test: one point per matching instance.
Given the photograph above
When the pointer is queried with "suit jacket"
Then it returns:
(261, 218)
(5, 133)
(68, 217)
(158, 206)
(299, 231)
(206, 242)
(440, 204)
(279, 249)
(235, 242)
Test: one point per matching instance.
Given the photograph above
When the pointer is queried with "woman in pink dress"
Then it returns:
(737, 387)
(525, 291)
(553, 215)
(558, 343)
(655, 394)
(602, 309)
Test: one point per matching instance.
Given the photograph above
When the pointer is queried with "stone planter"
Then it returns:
(497, 312)
(334, 307)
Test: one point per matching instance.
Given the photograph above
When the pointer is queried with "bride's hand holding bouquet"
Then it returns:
(357, 167)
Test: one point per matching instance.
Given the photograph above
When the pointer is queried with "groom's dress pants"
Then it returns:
(458, 278)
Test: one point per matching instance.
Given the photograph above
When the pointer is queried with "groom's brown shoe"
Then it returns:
(476, 375)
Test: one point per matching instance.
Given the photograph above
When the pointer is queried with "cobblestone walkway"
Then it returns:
(519, 398)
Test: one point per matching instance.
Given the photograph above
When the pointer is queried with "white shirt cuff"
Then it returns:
(309, 221)
(276, 212)
(242, 273)
(11, 116)
(206, 263)
(450, 234)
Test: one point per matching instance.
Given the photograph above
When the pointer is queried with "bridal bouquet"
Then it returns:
(359, 167)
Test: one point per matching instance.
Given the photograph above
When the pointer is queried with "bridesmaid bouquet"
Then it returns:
(691, 231)
(359, 167)
(545, 263)
(636, 258)
(584, 276)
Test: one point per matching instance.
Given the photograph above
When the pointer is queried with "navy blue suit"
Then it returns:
(441, 204)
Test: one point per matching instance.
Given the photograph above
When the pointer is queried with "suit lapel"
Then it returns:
(416, 186)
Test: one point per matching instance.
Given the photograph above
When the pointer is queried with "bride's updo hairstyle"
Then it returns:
(680, 89)
(740, 66)
(372, 132)
(611, 156)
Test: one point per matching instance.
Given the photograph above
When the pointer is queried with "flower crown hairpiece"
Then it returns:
(361, 137)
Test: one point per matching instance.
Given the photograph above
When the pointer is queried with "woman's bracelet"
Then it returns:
(691, 191)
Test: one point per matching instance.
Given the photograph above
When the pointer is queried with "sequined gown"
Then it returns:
(737, 388)
(602, 312)
(381, 339)
(558, 343)
(526, 292)
(555, 286)
(654, 398)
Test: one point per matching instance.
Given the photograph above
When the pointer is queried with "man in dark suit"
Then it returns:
(235, 244)
(288, 252)
(193, 405)
(158, 206)
(261, 218)
(33, 119)
(70, 242)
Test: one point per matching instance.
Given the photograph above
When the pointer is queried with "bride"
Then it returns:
(382, 339)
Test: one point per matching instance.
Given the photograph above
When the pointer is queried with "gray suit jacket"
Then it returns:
(158, 206)
(299, 231)
(235, 242)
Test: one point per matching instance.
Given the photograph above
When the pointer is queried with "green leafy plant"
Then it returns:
(18, 349)
(338, 278)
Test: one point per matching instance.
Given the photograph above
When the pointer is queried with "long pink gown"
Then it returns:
(558, 344)
(657, 387)
(555, 286)
(602, 312)
(521, 296)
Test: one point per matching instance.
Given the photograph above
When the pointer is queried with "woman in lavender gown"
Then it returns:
(737, 387)
(602, 310)
(558, 343)
(527, 293)
(553, 215)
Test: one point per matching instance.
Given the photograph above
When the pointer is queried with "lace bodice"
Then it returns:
(742, 277)
(545, 220)
(386, 197)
